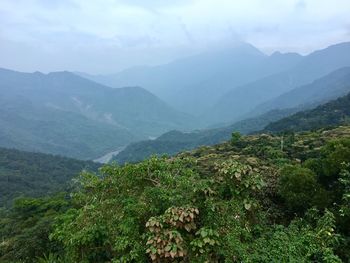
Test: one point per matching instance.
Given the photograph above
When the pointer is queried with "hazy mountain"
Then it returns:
(195, 83)
(329, 87)
(175, 141)
(62, 113)
(333, 113)
(240, 101)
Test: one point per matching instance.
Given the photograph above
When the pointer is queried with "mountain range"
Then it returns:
(239, 88)
(228, 85)
(195, 83)
(244, 101)
(62, 113)
(333, 113)
(331, 86)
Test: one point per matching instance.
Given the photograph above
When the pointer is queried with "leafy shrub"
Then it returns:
(235, 137)
(298, 187)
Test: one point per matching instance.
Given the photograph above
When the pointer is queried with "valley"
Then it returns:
(174, 131)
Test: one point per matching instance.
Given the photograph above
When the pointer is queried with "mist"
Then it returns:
(48, 35)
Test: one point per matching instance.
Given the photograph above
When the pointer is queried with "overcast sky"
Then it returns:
(105, 36)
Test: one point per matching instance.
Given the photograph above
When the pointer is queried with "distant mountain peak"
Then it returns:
(247, 48)
(279, 54)
(38, 73)
(340, 47)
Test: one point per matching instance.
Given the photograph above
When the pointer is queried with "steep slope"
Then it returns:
(194, 84)
(331, 86)
(36, 174)
(238, 102)
(333, 113)
(175, 141)
(65, 114)
(48, 130)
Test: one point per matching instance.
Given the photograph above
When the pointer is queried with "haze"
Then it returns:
(52, 35)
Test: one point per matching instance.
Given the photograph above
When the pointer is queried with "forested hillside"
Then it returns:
(175, 141)
(62, 113)
(334, 113)
(251, 199)
(36, 174)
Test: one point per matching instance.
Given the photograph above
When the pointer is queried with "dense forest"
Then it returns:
(174, 142)
(256, 198)
(36, 174)
(333, 113)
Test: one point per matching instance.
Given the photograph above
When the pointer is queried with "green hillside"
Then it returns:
(62, 113)
(175, 141)
(252, 199)
(333, 113)
(36, 174)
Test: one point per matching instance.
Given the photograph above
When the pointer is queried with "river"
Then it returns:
(108, 156)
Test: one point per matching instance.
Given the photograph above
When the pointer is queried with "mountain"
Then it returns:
(194, 84)
(173, 142)
(36, 174)
(333, 113)
(238, 102)
(331, 86)
(62, 113)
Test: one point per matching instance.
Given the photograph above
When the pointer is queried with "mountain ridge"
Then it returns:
(93, 117)
(239, 102)
(331, 86)
(194, 83)
(331, 114)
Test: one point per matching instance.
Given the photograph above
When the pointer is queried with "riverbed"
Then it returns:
(108, 156)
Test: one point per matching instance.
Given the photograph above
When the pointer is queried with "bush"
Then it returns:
(235, 137)
(298, 187)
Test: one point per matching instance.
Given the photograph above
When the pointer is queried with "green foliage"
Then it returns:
(301, 241)
(25, 229)
(137, 192)
(333, 113)
(235, 137)
(345, 183)
(298, 187)
(335, 155)
(226, 203)
(174, 142)
(36, 174)
(167, 234)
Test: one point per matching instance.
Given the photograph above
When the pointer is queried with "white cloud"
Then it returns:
(161, 29)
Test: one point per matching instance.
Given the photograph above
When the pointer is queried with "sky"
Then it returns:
(106, 36)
